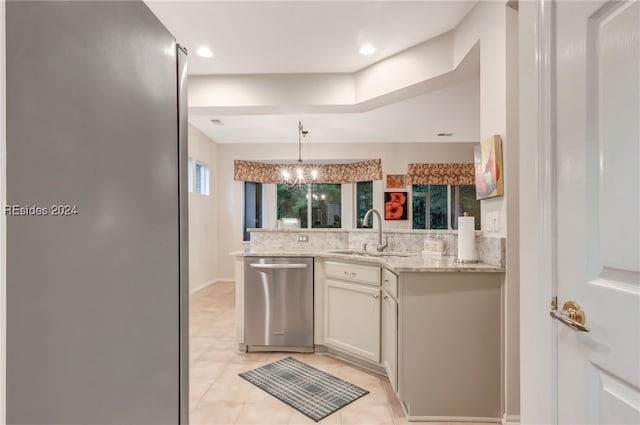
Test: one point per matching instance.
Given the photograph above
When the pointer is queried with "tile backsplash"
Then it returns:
(490, 250)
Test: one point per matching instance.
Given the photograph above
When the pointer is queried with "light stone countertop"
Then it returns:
(400, 264)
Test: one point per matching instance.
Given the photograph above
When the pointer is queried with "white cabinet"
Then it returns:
(352, 309)
(390, 330)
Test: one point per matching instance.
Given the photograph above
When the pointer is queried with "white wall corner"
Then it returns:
(213, 282)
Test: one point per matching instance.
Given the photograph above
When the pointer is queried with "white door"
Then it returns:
(597, 64)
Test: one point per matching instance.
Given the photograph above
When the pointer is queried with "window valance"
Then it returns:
(262, 172)
(441, 174)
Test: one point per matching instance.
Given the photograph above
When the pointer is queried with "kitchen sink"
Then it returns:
(388, 254)
(371, 253)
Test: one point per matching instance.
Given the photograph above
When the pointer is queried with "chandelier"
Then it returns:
(298, 175)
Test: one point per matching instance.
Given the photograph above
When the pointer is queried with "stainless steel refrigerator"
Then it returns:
(96, 216)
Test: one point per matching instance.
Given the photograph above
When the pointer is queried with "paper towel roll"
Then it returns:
(466, 239)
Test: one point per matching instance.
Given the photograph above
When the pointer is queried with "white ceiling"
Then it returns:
(288, 37)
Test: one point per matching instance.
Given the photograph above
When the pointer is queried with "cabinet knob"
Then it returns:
(375, 297)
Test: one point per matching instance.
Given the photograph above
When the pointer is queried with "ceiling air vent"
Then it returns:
(445, 134)
(216, 122)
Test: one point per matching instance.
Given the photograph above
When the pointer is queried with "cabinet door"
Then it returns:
(352, 319)
(390, 338)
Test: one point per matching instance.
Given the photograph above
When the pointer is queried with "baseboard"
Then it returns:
(204, 285)
(452, 419)
(510, 419)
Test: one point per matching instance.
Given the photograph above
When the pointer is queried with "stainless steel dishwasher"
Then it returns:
(278, 303)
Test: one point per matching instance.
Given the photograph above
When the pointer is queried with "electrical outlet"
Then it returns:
(303, 238)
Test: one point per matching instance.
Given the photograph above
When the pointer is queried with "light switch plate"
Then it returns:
(495, 221)
(303, 238)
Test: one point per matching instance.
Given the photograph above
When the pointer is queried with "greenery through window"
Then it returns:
(463, 199)
(325, 206)
(292, 204)
(439, 206)
(364, 202)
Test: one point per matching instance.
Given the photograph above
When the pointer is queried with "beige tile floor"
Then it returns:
(219, 396)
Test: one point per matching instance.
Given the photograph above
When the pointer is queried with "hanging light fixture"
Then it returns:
(299, 175)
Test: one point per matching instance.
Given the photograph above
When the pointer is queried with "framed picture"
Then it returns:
(396, 181)
(487, 159)
(395, 206)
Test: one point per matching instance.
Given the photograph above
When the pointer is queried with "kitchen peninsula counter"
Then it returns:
(391, 312)
(398, 262)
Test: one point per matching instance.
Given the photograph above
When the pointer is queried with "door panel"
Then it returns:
(598, 147)
(352, 318)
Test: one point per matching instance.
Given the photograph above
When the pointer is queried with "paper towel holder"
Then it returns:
(467, 261)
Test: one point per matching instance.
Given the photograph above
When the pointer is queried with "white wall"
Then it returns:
(485, 23)
(273, 89)
(203, 224)
(395, 158)
(412, 66)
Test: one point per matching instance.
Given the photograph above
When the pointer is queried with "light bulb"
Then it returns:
(314, 174)
(367, 49)
(299, 173)
(204, 52)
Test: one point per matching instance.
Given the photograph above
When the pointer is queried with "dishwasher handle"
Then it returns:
(279, 266)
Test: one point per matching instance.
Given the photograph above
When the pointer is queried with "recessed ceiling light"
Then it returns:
(204, 52)
(367, 49)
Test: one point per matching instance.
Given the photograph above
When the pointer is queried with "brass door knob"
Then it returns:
(571, 315)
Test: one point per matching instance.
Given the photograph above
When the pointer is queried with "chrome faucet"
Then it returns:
(381, 246)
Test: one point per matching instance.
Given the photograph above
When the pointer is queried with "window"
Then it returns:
(326, 201)
(202, 178)
(292, 204)
(252, 207)
(439, 206)
(190, 175)
(364, 202)
(463, 199)
(324, 210)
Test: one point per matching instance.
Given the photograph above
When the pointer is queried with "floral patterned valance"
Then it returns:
(441, 174)
(261, 172)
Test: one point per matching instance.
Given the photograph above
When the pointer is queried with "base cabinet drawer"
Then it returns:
(358, 273)
(352, 319)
